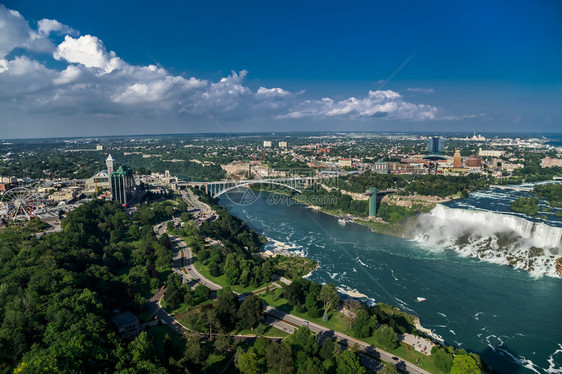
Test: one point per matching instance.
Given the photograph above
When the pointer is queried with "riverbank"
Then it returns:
(408, 208)
(403, 229)
(461, 293)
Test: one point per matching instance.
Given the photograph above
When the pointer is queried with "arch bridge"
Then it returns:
(215, 189)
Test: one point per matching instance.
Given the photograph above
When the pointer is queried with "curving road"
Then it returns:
(282, 320)
(275, 317)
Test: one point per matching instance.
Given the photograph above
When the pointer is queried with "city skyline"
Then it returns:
(104, 69)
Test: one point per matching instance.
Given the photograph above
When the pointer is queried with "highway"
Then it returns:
(324, 332)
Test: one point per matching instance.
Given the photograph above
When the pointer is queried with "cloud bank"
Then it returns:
(95, 81)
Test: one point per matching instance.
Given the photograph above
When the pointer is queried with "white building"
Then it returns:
(282, 144)
(489, 153)
(344, 162)
(548, 162)
(267, 143)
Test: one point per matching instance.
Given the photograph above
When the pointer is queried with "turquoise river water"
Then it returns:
(509, 316)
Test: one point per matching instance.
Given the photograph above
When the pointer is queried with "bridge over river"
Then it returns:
(296, 184)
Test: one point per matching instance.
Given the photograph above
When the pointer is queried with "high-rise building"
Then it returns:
(109, 163)
(381, 167)
(282, 144)
(267, 143)
(457, 160)
(435, 145)
(373, 202)
(122, 185)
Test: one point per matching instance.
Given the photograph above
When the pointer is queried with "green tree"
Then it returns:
(134, 231)
(311, 305)
(303, 340)
(140, 348)
(193, 351)
(223, 344)
(361, 324)
(250, 312)
(202, 293)
(212, 321)
(465, 364)
(348, 363)
(388, 369)
(386, 337)
(232, 269)
(311, 365)
(279, 358)
(226, 306)
(329, 349)
(174, 291)
(443, 359)
(329, 296)
(261, 345)
(247, 362)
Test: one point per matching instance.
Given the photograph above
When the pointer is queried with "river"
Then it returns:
(508, 316)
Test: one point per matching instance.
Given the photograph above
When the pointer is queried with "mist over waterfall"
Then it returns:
(494, 237)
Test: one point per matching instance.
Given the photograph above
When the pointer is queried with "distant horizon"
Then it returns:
(302, 133)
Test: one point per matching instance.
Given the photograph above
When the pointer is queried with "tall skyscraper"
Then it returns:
(373, 202)
(457, 160)
(109, 162)
(435, 145)
(122, 185)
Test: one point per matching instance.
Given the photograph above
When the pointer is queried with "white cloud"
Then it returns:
(14, 30)
(457, 118)
(88, 51)
(47, 26)
(385, 103)
(69, 75)
(158, 90)
(99, 84)
(421, 90)
(269, 92)
(227, 94)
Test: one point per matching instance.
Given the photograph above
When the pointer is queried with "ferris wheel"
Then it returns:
(19, 204)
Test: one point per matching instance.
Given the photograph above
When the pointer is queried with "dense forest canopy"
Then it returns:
(58, 294)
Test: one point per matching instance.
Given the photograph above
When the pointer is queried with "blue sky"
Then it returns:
(127, 67)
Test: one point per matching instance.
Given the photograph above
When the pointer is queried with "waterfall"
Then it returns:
(494, 237)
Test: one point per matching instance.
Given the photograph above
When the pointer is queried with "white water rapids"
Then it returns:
(494, 237)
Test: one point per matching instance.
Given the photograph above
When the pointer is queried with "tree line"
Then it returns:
(58, 292)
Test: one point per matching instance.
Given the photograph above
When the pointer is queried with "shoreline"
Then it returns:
(282, 249)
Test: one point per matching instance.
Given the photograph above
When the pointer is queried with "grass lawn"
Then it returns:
(215, 362)
(275, 300)
(337, 321)
(185, 320)
(221, 280)
(184, 307)
(270, 331)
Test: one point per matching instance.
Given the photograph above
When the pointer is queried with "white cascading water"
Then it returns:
(499, 238)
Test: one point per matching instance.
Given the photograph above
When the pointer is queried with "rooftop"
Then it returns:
(124, 319)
